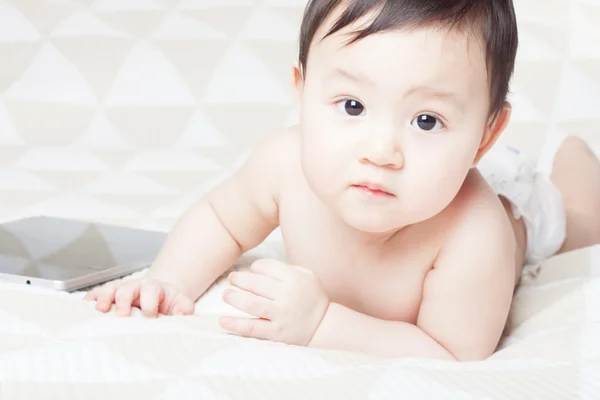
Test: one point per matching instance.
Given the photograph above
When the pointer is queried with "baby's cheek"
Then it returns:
(446, 189)
(323, 174)
(318, 169)
(433, 189)
(323, 150)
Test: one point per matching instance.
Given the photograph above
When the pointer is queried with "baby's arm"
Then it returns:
(466, 299)
(231, 219)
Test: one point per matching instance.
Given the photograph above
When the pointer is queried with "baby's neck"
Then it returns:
(367, 241)
(364, 242)
(374, 240)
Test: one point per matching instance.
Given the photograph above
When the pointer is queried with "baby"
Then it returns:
(405, 228)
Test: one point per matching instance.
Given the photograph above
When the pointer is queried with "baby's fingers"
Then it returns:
(104, 297)
(151, 296)
(126, 295)
(181, 305)
(92, 295)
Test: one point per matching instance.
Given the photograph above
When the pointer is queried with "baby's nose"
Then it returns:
(382, 153)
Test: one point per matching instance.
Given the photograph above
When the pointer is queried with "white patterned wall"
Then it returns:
(126, 111)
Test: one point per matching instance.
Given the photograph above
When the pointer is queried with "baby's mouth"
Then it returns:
(373, 190)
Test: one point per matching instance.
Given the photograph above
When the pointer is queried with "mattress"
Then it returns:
(54, 345)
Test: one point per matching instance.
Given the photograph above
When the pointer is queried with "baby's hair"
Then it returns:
(493, 21)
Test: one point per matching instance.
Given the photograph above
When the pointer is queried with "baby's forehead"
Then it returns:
(424, 53)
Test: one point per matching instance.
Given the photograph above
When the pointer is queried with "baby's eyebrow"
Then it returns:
(448, 97)
(353, 76)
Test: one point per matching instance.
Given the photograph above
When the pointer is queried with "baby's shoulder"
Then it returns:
(480, 245)
(478, 212)
(271, 163)
(281, 149)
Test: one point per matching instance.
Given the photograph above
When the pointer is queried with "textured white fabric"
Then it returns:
(56, 346)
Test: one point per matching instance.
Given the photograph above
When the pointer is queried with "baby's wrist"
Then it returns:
(166, 280)
(314, 339)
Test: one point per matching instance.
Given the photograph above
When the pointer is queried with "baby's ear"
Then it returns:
(493, 131)
(298, 82)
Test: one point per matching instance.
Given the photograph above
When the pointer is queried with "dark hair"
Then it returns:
(494, 20)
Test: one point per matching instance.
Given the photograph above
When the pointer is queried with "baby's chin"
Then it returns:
(377, 224)
(381, 222)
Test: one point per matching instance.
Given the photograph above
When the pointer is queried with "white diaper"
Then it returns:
(533, 197)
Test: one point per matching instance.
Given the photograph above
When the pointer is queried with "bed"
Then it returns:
(54, 345)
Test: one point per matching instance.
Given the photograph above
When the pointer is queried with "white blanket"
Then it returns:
(56, 346)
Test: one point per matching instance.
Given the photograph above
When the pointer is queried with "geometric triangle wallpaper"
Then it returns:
(126, 112)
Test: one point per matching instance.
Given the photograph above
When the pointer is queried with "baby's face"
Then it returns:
(392, 124)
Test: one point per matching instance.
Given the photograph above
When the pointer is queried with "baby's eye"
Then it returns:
(351, 107)
(427, 123)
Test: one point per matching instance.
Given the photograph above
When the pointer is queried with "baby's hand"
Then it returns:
(151, 296)
(287, 301)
